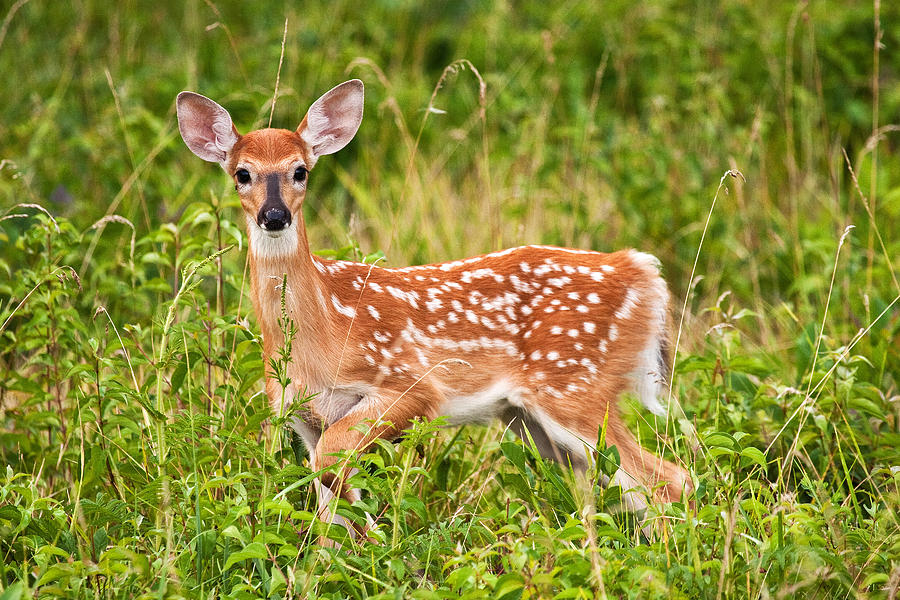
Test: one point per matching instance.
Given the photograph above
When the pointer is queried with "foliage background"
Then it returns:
(140, 456)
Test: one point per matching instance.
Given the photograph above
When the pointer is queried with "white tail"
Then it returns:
(543, 338)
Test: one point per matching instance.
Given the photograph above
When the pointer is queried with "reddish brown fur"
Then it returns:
(560, 332)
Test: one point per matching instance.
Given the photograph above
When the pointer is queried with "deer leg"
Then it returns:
(380, 415)
(640, 467)
(639, 472)
(327, 512)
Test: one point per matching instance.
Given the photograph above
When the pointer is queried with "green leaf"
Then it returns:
(753, 365)
(875, 579)
(754, 455)
(55, 573)
(515, 453)
(695, 363)
(13, 592)
(251, 550)
(722, 440)
(232, 532)
(462, 577)
(866, 406)
(51, 550)
(509, 587)
(268, 537)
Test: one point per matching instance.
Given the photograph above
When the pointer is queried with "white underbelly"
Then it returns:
(484, 405)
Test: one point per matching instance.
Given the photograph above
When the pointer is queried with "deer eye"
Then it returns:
(300, 174)
(242, 176)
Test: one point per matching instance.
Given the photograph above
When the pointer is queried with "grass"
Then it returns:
(141, 457)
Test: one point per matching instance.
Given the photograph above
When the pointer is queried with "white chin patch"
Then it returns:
(272, 244)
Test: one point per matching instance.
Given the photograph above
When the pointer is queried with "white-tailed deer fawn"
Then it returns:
(542, 338)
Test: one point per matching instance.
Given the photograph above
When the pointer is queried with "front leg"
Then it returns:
(383, 414)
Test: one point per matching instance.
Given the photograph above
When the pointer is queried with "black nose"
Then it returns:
(275, 219)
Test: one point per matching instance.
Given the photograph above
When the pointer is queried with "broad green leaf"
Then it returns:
(755, 455)
(251, 550)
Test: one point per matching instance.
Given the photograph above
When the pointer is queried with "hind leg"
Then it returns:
(569, 430)
(642, 467)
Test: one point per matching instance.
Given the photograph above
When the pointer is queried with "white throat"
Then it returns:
(272, 244)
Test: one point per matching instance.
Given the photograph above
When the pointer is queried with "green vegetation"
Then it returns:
(138, 455)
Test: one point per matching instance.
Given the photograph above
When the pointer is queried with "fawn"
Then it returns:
(543, 338)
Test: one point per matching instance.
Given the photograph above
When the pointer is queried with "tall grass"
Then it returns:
(141, 456)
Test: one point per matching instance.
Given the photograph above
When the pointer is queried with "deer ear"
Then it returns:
(332, 120)
(205, 127)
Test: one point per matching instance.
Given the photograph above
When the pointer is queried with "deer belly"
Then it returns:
(485, 405)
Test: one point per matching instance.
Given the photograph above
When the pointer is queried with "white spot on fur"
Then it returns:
(423, 360)
(628, 304)
(347, 311)
(407, 296)
(589, 365)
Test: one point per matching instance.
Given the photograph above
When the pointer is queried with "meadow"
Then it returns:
(754, 147)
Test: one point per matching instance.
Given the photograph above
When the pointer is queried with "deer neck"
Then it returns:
(287, 258)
